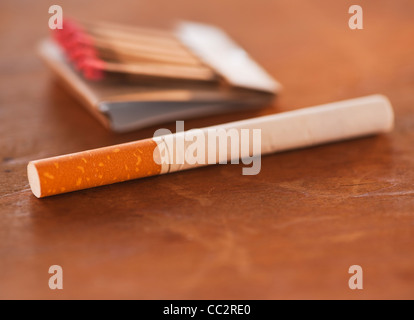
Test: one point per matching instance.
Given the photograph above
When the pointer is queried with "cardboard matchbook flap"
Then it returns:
(220, 52)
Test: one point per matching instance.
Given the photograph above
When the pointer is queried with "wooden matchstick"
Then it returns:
(95, 69)
(96, 56)
(74, 37)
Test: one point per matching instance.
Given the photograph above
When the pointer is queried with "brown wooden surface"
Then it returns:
(290, 232)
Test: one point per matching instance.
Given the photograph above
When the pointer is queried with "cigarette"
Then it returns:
(279, 132)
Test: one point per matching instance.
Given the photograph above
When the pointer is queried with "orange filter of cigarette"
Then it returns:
(93, 168)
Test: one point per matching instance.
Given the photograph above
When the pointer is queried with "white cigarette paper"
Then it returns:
(280, 132)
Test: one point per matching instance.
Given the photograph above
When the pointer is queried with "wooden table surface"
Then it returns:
(290, 232)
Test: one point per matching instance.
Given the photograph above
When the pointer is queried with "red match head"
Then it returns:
(79, 48)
